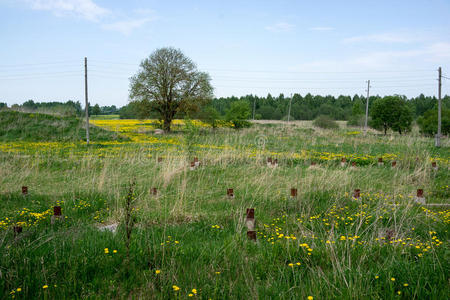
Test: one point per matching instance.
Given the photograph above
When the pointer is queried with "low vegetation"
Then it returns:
(16, 126)
(188, 239)
(325, 122)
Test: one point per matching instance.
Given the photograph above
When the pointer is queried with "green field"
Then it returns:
(190, 240)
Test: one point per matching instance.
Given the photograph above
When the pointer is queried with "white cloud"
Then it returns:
(280, 27)
(439, 50)
(383, 38)
(323, 28)
(126, 27)
(86, 9)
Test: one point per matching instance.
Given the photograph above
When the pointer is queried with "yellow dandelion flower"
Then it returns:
(310, 298)
(376, 277)
(114, 251)
(106, 250)
(191, 295)
(392, 278)
(194, 291)
(158, 271)
(405, 284)
(175, 288)
(291, 265)
(45, 287)
(18, 289)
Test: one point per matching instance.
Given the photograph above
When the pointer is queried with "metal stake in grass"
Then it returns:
(380, 161)
(251, 234)
(250, 219)
(275, 163)
(434, 166)
(293, 192)
(420, 199)
(57, 211)
(17, 230)
(24, 190)
(230, 193)
(357, 193)
(57, 214)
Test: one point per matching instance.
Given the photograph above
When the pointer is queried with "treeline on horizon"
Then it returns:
(306, 107)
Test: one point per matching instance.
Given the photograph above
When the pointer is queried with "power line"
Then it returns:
(315, 80)
(321, 72)
(41, 77)
(37, 64)
(322, 88)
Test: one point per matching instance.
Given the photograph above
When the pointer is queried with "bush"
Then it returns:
(210, 116)
(356, 120)
(325, 122)
(238, 114)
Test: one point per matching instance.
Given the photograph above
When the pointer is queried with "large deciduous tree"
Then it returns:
(170, 83)
(391, 112)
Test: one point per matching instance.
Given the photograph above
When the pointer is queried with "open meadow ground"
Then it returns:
(189, 239)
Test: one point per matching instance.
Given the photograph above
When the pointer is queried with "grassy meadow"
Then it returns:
(190, 239)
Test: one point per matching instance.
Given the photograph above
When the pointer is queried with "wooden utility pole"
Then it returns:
(254, 106)
(289, 112)
(367, 107)
(86, 98)
(438, 135)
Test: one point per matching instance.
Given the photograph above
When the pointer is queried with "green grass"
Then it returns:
(174, 231)
(18, 126)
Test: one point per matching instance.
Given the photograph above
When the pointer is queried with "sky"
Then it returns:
(247, 47)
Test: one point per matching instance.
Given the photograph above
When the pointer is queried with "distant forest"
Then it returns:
(306, 107)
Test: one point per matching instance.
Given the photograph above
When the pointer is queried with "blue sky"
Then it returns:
(257, 47)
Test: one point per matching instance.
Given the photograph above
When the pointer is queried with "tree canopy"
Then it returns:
(391, 112)
(169, 82)
(428, 122)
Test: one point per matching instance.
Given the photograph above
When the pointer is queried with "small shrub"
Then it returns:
(356, 120)
(325, 122)
(238, 114)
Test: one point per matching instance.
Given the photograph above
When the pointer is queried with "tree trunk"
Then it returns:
(385, 129)
(166, 124)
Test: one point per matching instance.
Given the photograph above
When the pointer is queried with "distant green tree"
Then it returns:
(238, 114)
(391, 112)
(210, 116)
(170, 82)
(357, 108)
(96, 110)
(428, 123)
(266, 112)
